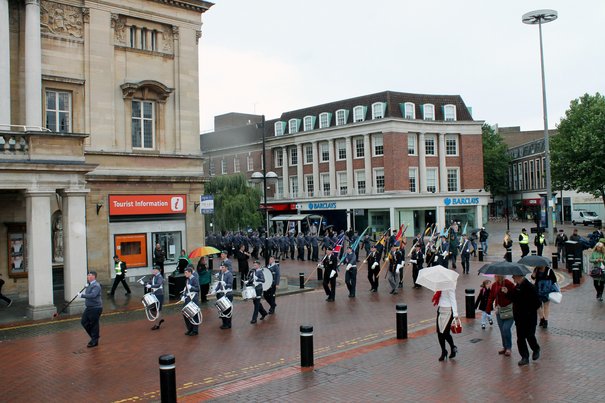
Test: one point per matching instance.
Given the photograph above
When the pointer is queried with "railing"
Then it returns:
(13, 144)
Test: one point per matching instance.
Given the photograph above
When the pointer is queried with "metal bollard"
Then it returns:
(570, 261)
(576, 273)
(534, 252)
(167, 378)
(508, 256)
(555, 260)
(401, 312)
(306, 346)
(480, 254)
(470, 302)
(320, 273)
(301, 279)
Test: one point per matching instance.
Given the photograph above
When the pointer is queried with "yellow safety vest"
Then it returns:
(118, 267)
(541, 239)
(524, 239)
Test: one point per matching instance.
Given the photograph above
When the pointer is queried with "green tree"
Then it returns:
(236, 203)
(578, 149)
(495, 162)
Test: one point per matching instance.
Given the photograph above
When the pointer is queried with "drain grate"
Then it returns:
(475, 340)
(584, 334)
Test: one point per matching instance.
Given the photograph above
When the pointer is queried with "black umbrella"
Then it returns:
(534, 260)
(504, 269)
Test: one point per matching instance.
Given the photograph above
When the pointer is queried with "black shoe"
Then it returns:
(330, 300)
(92, 344)
(541, 322)
(375, 290)
(253, 321)
(160, 324)
(262, 317)
(545, 325)
(491, 322)
(155, 327)
(400, 285)
(443, 356)
(188, 333)
(535, 355)
(271, 311)
(454, 351)
(110, 293)
(225, 327)
(192, 334)
(524, 361)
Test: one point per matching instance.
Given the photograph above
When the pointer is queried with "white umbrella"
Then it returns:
(437, 278)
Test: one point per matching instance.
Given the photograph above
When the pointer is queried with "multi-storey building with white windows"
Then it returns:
(99, 146)
(378, 160)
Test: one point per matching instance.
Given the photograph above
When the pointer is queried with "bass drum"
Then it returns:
(268, 279)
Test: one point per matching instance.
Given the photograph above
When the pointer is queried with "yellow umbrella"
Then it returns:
(203, 251)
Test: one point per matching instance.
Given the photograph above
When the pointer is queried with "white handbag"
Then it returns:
(555, 297)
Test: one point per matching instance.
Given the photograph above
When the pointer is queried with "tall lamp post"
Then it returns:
(264, 177)
(532, 18)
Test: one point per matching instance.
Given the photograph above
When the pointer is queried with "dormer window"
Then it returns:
(449, 113)
(279, 128)
(378, 109)
(359, 113)
(309, 123)
(324, 120)
(293, 125)
(409, 111)
(428, 112)
(341, 117)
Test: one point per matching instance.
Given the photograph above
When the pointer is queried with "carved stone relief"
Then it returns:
(118, 23)
(61, 19)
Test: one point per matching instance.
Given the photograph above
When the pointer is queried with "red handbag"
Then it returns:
(456, 326)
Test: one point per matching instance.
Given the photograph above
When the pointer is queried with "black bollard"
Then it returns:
(320, 274)
(470, 302)
(167, 378)
(235, 281)
(401, 312)
(576, 273)
(555, 260)
(534, 252)
(306, 346)
(480, 254)
(570, 261)
(508, 256)
(301, 279)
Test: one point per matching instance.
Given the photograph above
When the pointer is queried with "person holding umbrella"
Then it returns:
(545, 280)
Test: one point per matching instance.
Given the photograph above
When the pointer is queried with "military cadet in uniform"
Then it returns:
(256, 278)
(225, 288)
(330, 264)
(443, 253)
(351, 271)
(417, 259)
(395, 266)
(191, 293)
(156, 286)
(270, 293)
(373, 260)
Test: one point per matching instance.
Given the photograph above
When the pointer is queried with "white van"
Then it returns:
(585, 217)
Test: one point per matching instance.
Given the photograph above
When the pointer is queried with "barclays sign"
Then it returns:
(461, 201)
(322, 206)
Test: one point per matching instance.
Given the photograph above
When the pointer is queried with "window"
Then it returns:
(133, 37)
(428, 111)
(144, 38)
(515, 185)
(429, 145)
(341, 183)
(223, 167)
(360, 181)
(58, 111)
(170, 243)
(409, 111)
(324, 181)
(520, 173)
(308, 123)
(379, 180)
(324, 151)
(359, 113)
(211, 168)
(413, 175)
(538, 174)
(309, 185)
(279, 187)
(449, 113)
(341, 117)
(452, 180)
(324, 120)
(280, 128)
(341, 150)
(293, 156)
(293, 125)
(431, 180)
(531, 175)
(378, 145)
(525, 176)
(142, 124)
(279, 158)
(412, 144)
(543, 174)
(378, 109)
(250, 163)
(236, 164)
(154, 40)
(308, 153)
(451, 144)
(360, 150)
(293, 186)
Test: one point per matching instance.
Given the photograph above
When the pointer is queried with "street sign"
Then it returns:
(207, 204)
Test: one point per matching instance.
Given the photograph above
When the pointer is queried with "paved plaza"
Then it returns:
(357, 356)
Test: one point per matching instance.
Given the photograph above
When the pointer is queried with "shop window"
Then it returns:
(170, 242)
(131, 249)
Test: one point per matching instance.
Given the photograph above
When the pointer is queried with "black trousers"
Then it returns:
(526, 334)
(373, 277)
(119, 279)
(453, 258)
(226, 321)
(204, 289)
(351, 280)
(329, 285)
(540, 249)
(190, 326)
(465, 260)
(258, 307)
(415, 270)
(269, 296)
(446, 336)
(315, 254)
(308, 253)
(90, 322)
(598, 286)
(301, 253)
(524, 249)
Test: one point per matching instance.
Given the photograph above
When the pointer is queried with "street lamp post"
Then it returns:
(542, 17)
(265, 177)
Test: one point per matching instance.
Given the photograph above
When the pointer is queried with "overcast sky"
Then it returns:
(272, 56)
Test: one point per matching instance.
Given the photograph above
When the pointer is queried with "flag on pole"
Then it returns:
(464, 229)
(336, 249)
(355, 244)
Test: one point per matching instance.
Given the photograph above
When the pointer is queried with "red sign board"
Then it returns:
(147, 204)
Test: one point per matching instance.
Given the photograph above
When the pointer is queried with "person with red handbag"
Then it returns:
(447, 311)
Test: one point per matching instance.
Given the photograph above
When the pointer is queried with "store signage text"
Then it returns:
(322, 206)
(455, 201)
(147, 204)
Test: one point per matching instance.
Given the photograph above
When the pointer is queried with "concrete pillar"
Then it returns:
(5, 75)
(33, 64)
(442, 164)
(39, 254)
(421, 163)
(285, 173)
(74, 244)
(479, 216)
(441, 217)
(393, 220)
(350, 153)
(316, 185)
(367, 162)
(332, 165)
(299, 170)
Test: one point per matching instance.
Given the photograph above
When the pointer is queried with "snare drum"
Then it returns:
(224, 306)
(248, 293)
(191, 311)
(150, 300)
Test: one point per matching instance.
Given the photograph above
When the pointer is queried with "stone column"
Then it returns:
(350, 154)
(479, 216)
(33, 64)
(367, 161)
(285, 173)
(74, 246)
(441, 217)
(39, 254)
(442, 164)
(332, 168)
(421, 163)
(5, 75)
(316, 186)
(299, 170)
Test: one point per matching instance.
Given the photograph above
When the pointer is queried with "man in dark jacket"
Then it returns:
(94, 308)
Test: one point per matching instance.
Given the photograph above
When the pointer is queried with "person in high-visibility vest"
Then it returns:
(120, 270)
(540, 241)
(524, 242)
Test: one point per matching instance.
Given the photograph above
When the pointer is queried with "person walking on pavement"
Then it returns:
(226, 262)
(269, 295)
(242, 257)
(525, 305)
(156, 286)
(159, 257)
(225, 288)
(483, 235)
(417, 259)
(205, 278)
(482, 301)
(540, 242)
(597, 258)
(2, 296)
(330, 264)
(447, 310)
(465, 254)
(373, 260)
(507, 243)
(120, 271)
(560, 244)
(395, 266)
(351, 271)
(501, 302)
(545, 280)
(524, 242)
(443, 253)
(94, 308)
(191, 294)
(256, 278)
